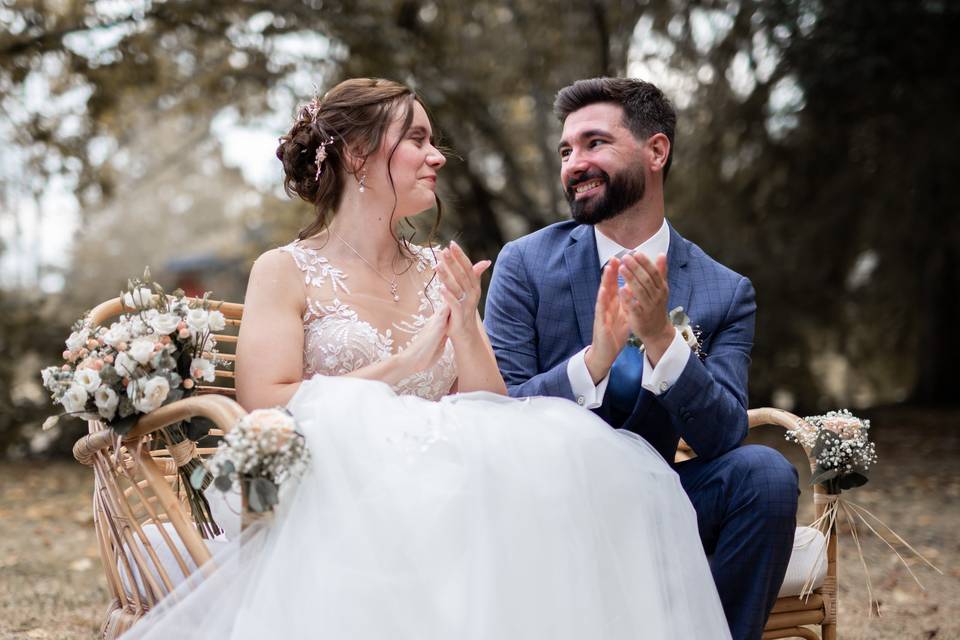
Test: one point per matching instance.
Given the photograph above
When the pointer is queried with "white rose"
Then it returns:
(164, 323)
(198, 320)
(117, 333)
(140, 298)
(124, 364)
(217, 321)
(141, 350)
(152, 394)
(74, 399)
(89, 379)
(202, 369)
(106, 400)
(78, 339)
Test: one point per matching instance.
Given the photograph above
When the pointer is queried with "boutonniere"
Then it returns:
(690, 333)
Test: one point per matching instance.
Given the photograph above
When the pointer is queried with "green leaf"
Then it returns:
(852, 480)
(197, 477)
(822, 477)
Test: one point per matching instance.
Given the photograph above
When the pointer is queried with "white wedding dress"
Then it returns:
(431, 516)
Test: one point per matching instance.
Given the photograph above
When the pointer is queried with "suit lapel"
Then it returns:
(583, 269)
(677, 278)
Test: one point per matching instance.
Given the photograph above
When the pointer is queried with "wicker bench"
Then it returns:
(148, 542)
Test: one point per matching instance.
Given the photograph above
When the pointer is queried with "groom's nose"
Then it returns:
(573, 168)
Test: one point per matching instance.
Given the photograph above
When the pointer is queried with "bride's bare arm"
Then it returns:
(269, 364)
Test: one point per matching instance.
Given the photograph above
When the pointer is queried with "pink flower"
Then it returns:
(188, 384)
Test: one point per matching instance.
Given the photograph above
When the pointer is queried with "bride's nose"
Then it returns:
(435, 159)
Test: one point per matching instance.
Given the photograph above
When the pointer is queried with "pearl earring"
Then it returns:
(363, 181)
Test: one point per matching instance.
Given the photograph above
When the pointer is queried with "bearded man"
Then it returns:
(564, 302)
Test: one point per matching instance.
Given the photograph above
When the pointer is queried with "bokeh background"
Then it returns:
(816, 154)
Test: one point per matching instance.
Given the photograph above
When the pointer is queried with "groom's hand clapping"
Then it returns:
(644, 299)
(610, 328)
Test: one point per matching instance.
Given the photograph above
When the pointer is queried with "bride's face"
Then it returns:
(413, 166)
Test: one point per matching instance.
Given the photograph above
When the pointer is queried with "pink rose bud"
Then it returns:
(166, 340)
(188, 384)
(97, 365)
(122, 346)
(84, 353)
(92, 344)
(65, 367)
(184, 334)
(100, 342)
(66, 354)
(181, 325)
(108, 359)
(158, 346)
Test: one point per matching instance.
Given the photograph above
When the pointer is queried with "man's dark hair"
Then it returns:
(646, 110)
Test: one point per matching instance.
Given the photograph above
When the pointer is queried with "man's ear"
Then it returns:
(658, 150)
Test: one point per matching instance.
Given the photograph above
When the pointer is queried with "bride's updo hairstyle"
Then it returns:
(354, 115)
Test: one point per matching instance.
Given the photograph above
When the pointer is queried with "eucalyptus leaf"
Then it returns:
(265, 492)
(123, 425)
(852, 480)
(198, 427)
(223, 482)
(197, 477)
(829, 474)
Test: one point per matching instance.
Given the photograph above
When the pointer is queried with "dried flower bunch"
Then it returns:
(840, 443)
(262, 451)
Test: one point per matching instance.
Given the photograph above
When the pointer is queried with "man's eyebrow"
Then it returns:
(589, 133)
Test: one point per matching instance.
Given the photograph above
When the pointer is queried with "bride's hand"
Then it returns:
(427, 346)
(461, 289)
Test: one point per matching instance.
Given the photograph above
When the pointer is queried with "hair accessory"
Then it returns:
(321, 156)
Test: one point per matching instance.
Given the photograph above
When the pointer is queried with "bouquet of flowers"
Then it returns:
(842, 454)
(262, 451)
(155, 353)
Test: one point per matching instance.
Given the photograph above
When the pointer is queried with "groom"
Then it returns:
(558, 328)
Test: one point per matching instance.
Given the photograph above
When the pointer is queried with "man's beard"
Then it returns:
(621, 192)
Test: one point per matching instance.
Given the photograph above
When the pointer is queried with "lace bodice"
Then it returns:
(345, 330)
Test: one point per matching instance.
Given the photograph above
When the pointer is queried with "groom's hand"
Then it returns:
(610, 327)
(644, 298)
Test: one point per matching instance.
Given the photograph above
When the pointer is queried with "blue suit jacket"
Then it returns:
(539, 312)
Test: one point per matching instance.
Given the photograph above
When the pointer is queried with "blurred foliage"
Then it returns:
(814, 155)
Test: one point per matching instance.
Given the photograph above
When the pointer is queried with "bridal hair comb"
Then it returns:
(321, 156)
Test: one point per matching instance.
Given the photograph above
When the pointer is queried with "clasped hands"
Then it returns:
(458, 318)
(639, 307)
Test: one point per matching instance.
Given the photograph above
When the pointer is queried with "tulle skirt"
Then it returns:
(475, 517)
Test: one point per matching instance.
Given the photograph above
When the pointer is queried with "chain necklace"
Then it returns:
(394, 285)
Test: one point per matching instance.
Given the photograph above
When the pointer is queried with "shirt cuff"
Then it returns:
(659, 379)
(585, 393)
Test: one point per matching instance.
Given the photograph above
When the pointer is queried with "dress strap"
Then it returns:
(316, 268)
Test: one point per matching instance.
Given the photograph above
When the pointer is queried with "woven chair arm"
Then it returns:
(114, 307)
(778, 417)
(223, 411)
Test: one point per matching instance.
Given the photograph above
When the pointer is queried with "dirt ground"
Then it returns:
(51, 585)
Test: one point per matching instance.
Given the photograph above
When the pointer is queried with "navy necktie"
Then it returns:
(626, 374)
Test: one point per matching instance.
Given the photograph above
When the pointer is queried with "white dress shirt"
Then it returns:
(657, 379)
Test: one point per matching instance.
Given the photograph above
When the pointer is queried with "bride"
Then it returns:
(435, 506)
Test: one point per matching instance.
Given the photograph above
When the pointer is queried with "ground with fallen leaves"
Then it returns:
(51, 585)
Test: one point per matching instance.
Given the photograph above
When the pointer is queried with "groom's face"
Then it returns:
(601, 166)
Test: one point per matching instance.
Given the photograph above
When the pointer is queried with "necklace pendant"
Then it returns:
(395, 291)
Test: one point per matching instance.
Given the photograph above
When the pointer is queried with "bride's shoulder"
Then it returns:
(277, 263)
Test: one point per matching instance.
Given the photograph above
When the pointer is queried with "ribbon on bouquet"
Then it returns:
(836, 506)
